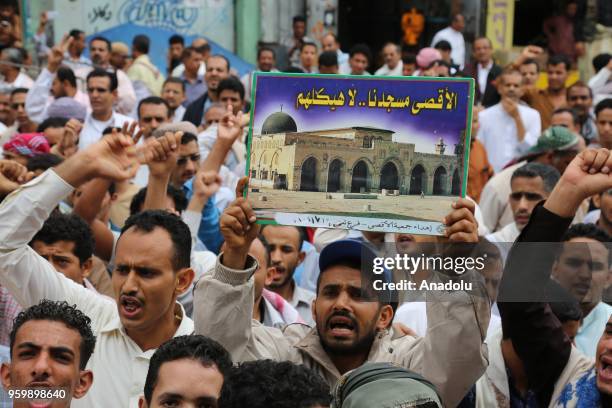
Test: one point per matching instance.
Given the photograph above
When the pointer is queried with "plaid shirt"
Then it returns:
(9, 309)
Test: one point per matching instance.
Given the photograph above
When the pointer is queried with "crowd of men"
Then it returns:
(133, 272)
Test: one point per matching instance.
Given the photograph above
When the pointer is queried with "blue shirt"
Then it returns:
(193, 90)
(209, 232)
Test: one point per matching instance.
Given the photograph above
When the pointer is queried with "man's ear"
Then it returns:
(5, 373)
(184, 279)
(597, 200)
(301, 257)
(86, 268)
(385, 317)
(85, 382)
(269, 275)
(142, 403)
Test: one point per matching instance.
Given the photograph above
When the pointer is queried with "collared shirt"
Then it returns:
(92, 128)
(302, 302)
(39, 97)
(119, 364)
(589, 129)
(593, 325)
(193, 90)
(177, 72)
(507, 234)
(21, 81)
(75, 64)
(496, 211)
(457, 42)
(483, 73)
(5, 357)
(126, 95)
(178, 114)
(343, 57)
(498, 134)
(385, 70)
(208, 232)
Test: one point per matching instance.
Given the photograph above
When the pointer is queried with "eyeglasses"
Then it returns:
(99, 90)
(581, 97)
(16, 106)
(183, 160)
(149, 119)
(528, 196)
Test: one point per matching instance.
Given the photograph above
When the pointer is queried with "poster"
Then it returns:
(354, 152)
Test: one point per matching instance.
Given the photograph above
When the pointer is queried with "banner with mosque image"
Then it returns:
(385, 154)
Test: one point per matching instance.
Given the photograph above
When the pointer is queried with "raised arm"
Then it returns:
(527, 319)
(223, 299)
(28, 276)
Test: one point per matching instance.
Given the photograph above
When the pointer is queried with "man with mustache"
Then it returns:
(557, 372)
(508, 129)
(51, 344)
(145, 312)
(352, 321)
(530, 184)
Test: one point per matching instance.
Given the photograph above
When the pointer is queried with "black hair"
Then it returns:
(409, 59)
(66, 74)
(530, 61)
(231, 83)
(104, 39)
(43, 161)
(75, 33)
(223, 57)
(571, 111)
(560, 59)
(600, 61)
(308, 44)
(175, 80)
(273, 384)
(260, 50)
(71, 228)
(591, 231)
(102, 73)
(299, 19)
(19, 90)
(153, 100)
(361, 49)
(176, 39)
(602, 105)
(550, 176)
(202, 349)
(294, 70)
(328, 59)
(53, 122)
(188, 137)
(147, 221)
(187, 52)
(178, 196)
(59, 311)
(443, 45)
(141, 43)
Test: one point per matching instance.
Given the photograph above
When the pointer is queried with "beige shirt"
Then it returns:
(142, 70)
(119, 365)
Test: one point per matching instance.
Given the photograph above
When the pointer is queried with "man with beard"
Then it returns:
(217, 69)
(508, 129)
(266, 62)
(580, 98)
(54, 82)
(530, 184)
(557, 372)
(352, 320)
(285, 243)
(51, 344)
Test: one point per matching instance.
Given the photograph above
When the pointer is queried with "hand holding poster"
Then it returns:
(361, 153)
